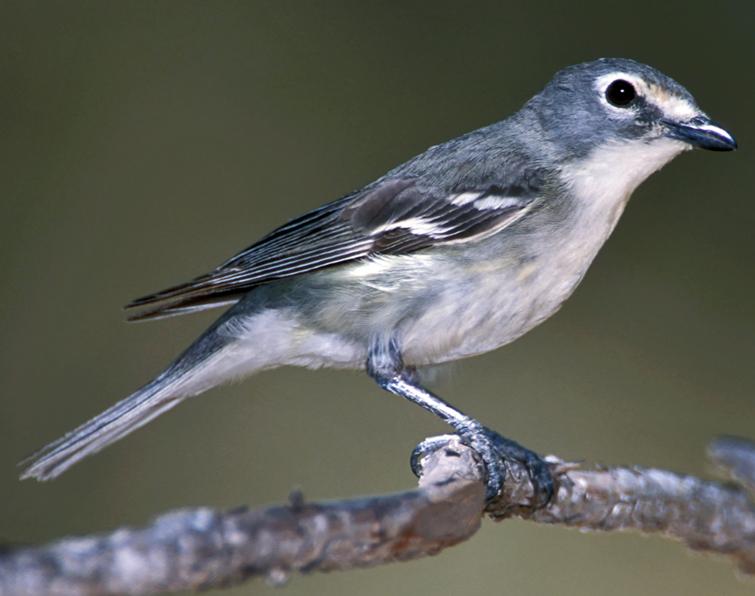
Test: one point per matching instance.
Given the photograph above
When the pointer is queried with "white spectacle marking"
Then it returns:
(493, 202)
(602, 83)
(672, 106)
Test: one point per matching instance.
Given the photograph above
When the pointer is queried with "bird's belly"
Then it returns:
(485, 312)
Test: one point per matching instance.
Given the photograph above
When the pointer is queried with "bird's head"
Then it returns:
(616, 101)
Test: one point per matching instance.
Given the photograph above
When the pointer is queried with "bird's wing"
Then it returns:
(392, 217)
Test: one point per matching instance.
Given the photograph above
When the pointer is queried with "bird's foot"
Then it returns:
(497, 454)
(538, 470)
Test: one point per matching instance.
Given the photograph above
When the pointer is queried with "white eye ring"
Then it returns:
(603, 83)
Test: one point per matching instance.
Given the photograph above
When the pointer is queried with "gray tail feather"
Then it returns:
(124, 417)
(156, 397)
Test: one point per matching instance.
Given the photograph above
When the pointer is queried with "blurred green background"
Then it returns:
(143, 143)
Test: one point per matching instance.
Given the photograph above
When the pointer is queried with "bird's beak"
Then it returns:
(701, 132)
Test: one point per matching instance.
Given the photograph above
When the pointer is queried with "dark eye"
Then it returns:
(620, 93)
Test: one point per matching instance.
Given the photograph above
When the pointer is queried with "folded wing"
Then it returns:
(393, 216)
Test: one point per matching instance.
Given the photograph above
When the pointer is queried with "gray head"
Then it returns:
(620, 101)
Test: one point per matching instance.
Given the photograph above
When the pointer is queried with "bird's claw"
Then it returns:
(538, 470)
(495, 452)
(426, 447)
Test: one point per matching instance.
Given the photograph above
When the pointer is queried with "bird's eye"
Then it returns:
(620, 93)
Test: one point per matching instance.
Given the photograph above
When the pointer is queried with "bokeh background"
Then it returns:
(143, 143)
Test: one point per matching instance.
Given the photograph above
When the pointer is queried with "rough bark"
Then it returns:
(202, 548)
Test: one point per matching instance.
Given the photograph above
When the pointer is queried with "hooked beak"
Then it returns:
(701, 132)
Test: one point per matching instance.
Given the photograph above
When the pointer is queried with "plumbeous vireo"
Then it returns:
(460, 250)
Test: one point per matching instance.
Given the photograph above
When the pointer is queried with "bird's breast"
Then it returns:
(510, 284)
(450, 302)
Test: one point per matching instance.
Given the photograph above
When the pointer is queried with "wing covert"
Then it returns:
(393, 216)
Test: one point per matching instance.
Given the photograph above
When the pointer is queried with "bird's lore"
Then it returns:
(458, 251)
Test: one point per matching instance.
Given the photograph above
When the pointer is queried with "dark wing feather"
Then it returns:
(394, 216)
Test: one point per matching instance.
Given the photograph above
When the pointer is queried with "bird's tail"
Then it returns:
(188, 376)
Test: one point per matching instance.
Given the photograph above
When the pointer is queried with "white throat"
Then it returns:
(606, 178)
(601, 185)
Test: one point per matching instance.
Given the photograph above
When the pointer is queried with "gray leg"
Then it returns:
(384, 364)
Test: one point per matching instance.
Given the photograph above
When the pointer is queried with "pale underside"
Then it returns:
(442, 309)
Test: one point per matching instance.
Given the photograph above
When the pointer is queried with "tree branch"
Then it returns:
(202, 548)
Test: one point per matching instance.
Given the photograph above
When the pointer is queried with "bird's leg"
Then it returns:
(385, 365)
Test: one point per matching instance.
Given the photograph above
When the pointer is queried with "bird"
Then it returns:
(458, 251)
